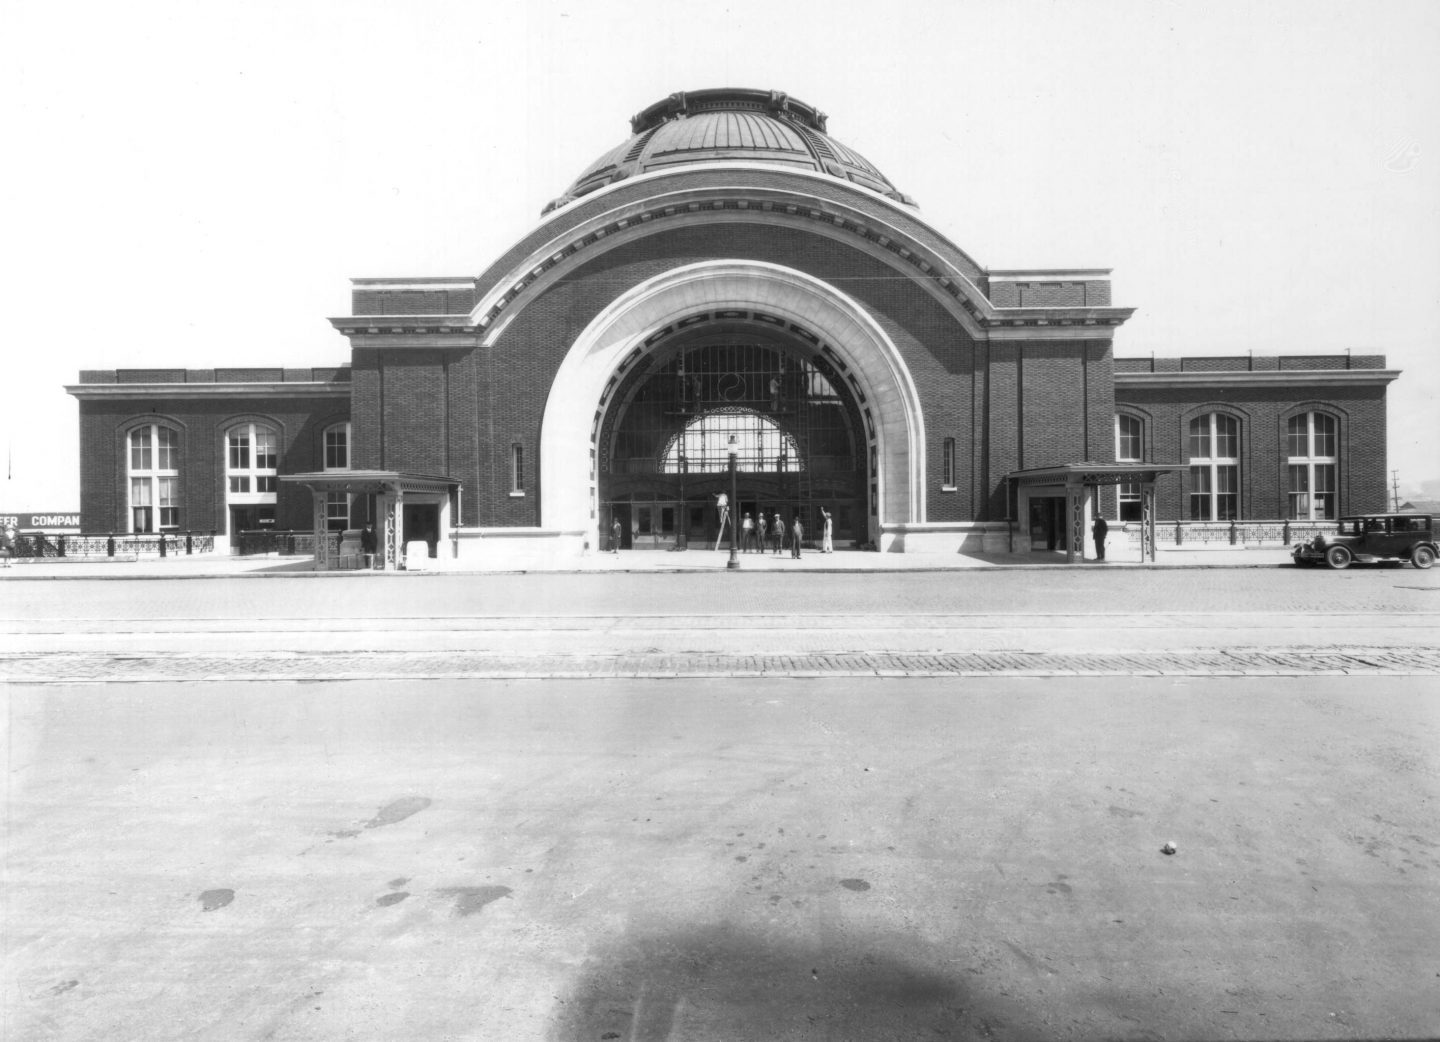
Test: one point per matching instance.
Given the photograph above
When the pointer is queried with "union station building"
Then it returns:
(730, 281)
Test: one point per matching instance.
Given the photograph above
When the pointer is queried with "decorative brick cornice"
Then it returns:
(296, 389)
(436, 327)
(1230, 379)
(734, 203)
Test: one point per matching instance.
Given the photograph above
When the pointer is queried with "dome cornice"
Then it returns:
(729, 125)
(940, 276)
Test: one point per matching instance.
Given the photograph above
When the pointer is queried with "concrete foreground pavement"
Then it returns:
(779, 860)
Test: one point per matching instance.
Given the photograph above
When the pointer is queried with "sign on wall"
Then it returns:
(42, 521)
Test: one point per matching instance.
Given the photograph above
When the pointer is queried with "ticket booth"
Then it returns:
(1054, 507)
(409, 509)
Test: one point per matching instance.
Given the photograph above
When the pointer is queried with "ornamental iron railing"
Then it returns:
(1202, 534)
(35, 545)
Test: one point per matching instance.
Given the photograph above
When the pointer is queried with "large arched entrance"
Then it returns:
(755, 385)
(769, 308)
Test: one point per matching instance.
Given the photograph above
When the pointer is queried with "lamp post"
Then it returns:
(734, 561)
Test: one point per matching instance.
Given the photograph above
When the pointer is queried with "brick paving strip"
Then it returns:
(87, 667)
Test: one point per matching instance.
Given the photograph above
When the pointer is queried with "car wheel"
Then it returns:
(1422, 557)
(1337, 557)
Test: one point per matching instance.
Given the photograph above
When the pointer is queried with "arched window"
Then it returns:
(1129, 448)
(1214, 468)
(154, 478)
(1311, 454)
(251, 464)
(704, 445)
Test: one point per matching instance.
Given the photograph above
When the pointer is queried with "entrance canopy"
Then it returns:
(392, 490)
(1077, 479)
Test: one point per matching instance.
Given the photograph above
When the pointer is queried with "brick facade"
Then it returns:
(1015, 369)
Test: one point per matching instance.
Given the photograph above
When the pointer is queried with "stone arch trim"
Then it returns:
(618, 336)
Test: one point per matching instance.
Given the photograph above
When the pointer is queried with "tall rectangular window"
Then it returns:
(1214, 468)
(264, 450)
(167, 442)
(169, 504)
(141, 517)
(1311, 443)
(337, 447)
(517, 468)
(154, 478)
(949, 477)
(1129, 444)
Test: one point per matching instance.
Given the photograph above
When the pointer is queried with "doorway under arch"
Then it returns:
(665, 439)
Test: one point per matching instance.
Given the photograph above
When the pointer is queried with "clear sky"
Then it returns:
(193, 184)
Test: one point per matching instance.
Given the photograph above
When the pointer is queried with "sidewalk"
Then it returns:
(208, 566)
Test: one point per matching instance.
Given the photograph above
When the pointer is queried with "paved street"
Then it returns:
(843, 843)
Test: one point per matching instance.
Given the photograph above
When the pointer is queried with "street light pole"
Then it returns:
(734, 562)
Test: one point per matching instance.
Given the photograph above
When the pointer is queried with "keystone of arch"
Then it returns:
(568, 488)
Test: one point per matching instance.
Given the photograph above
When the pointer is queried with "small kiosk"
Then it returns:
(405, 507)
(1068, 496)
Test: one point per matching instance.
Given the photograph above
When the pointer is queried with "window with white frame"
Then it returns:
(1214, 468)
(251, 463)
(154, 478)
(337, 511)
(337, 457)
(517, 469)
(1311, 459)
(948, 479)
(1129, 448)
(337, 447)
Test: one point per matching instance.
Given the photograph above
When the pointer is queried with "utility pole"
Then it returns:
(1394, 491)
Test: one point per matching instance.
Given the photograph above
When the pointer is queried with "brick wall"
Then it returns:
(202, 424)
(1263, 454)
(518, 371)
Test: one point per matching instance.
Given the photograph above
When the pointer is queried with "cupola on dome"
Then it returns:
(729, 124)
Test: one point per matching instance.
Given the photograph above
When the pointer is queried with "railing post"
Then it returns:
(1285, 532)
(1179, 533)
(60, 547)
(189, 543)
(110, 545)
(162, 544)
(1232, 531)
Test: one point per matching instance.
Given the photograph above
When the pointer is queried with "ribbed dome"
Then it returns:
(749, 126)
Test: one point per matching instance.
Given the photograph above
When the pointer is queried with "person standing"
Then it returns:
(827, 542)
(747, 533)
(615, 531)
(367, 544)
(777, 532)
(760, 530)
(797, 533)
(1100, 529)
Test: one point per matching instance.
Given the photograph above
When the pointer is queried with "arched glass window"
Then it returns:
(1129, 448)
(154, 478)
(251, 461)
(1214, 468)
(704, 445)
(1311, 455)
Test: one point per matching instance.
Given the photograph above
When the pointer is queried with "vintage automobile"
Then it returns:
(1372, 537)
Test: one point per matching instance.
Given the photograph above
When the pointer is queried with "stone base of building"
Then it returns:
(946, 537)
(508, 549)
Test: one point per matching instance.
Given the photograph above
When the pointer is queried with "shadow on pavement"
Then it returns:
(725, 982)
